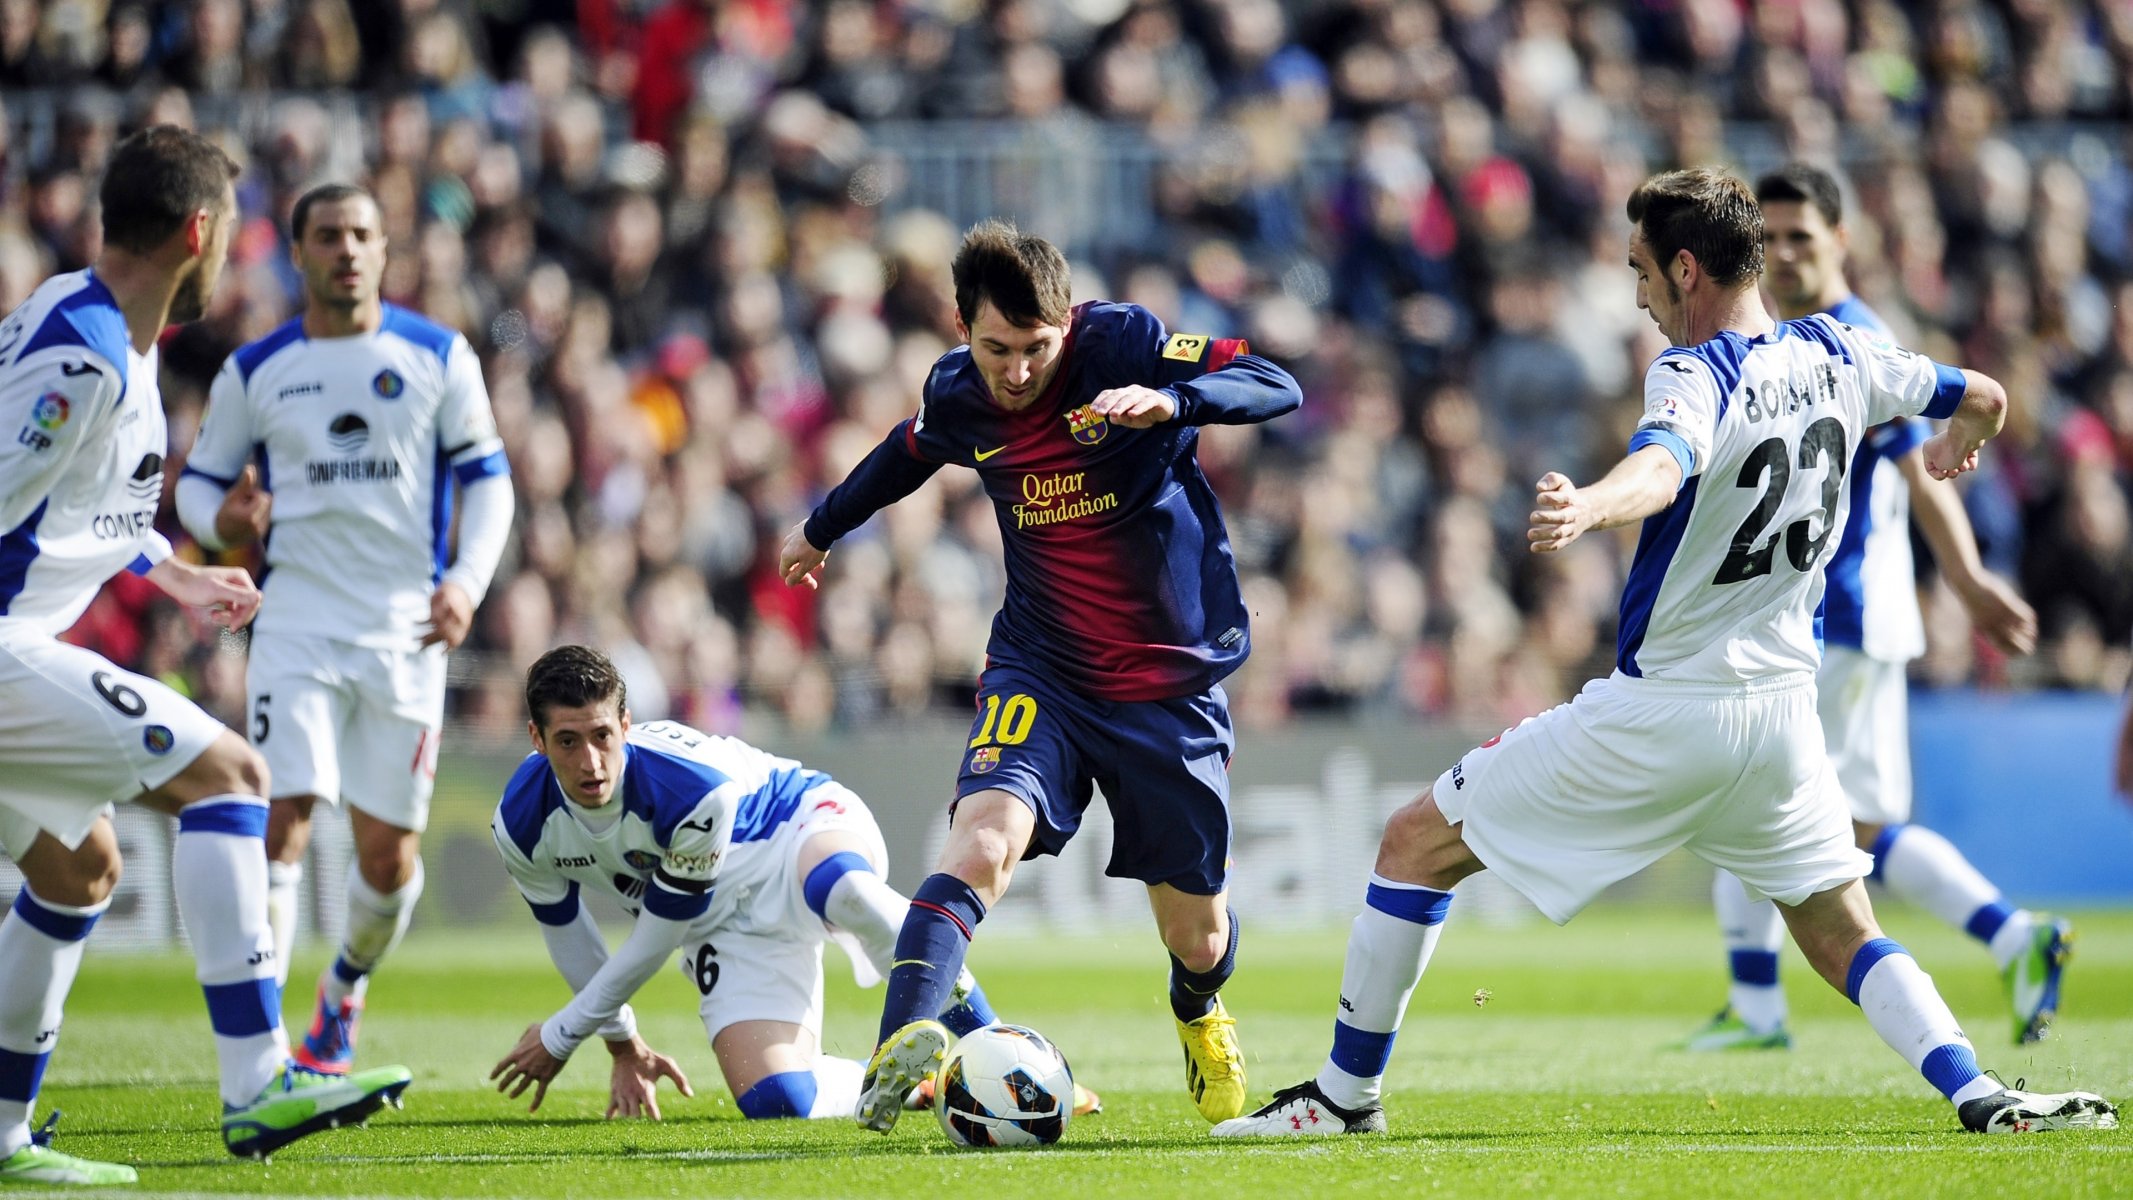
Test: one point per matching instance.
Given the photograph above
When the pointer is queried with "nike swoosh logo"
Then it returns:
(910, 962)
(982, 455)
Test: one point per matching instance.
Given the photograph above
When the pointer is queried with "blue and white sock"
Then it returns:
(1926, 869)
(1901, 1004)
(929, 951)
(1388, 946)
(376, 923)
(40, 950)
(830, 1090)
(1754, 931)
(219, 872)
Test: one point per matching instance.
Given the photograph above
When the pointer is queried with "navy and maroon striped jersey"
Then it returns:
(1119, 573)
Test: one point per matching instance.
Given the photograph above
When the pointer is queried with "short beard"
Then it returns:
(189, 302)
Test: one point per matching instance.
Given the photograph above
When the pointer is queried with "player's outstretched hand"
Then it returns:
(633, 1086)
(1948, 455)
(227, 593)
(246, 509)
(2006, 620)
(528, 1065)
(798, 560)
(1560, 515)
(1134, 406)
(451, 616)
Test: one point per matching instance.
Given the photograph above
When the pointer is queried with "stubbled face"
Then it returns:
(1657, 293)
(342, 254)
(1017, 361)
(194, 292)
(1803, 256)
(584, 746)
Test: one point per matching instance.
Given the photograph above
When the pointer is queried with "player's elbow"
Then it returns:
(1984, 400)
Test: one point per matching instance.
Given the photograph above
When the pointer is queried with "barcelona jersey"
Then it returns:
(1120, 580)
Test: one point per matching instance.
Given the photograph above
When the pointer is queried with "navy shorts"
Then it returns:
(1163, 766)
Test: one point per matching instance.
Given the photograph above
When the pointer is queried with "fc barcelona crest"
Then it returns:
(1089, 428)
(984, 759)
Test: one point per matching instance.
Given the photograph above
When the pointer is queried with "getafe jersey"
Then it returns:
(81, 472)
(358, 438)
(1727, 581)
(1120, 579)
(689, 801)
(1871, 604)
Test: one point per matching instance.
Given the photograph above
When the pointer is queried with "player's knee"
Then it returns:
(93, 870)
(983, 859)
(230, 767)
(1865, 834)
(1198, 948)
(386, 868)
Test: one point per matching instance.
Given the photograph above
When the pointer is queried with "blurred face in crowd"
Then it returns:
(198, 286)
(1803, 258)
(1658, 292)
(1017, 361)
(342, 253)
(584, 746)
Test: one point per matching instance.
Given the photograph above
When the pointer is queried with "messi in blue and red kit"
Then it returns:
(1123, 611)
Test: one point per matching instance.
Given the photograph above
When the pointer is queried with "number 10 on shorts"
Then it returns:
(1012, 721)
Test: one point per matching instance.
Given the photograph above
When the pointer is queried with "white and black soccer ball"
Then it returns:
(1004, 1085)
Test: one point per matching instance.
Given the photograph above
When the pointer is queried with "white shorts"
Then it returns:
(1594, 791)
(762, 958)
(1866, 719)
(77, 733)
(315, 704)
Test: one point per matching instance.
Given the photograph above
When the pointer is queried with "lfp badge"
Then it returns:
(984, 759)
(1088, 428)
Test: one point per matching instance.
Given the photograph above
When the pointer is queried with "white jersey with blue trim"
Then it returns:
(81, 472)
(1871, 604)
(1727, 582)
(359, 439)
(689, 801)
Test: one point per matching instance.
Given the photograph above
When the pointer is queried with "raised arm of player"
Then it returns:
(891, 471)
(1994, 607)
(1640, 485)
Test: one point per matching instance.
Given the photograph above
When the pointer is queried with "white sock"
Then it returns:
(219, 872)
(1754, 931)
(1388, 946)
(376, 923)
(864, 905)
(41, 946)
(2013, 935)
(284, 880)
(1901, 1004)
(1924, 868)
(837, 1087)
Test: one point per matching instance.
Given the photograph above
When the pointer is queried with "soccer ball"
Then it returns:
(1004, 1085)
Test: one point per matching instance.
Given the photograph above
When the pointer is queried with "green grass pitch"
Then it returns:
(1557, 1086)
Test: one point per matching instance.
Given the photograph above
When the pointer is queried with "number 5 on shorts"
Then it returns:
(1014, 720)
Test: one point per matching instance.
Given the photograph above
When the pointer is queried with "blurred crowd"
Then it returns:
(673, 230)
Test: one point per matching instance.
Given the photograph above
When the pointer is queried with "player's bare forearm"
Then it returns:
(1245, 391)
(1640, 485)
(227, 593)
(1977, 419)
(1998, 611)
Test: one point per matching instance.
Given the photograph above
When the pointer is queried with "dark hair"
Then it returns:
(572, 677)
(325, 193)
(1708, 213)
(1023, 275)
(1801, 183)
(157, 179)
